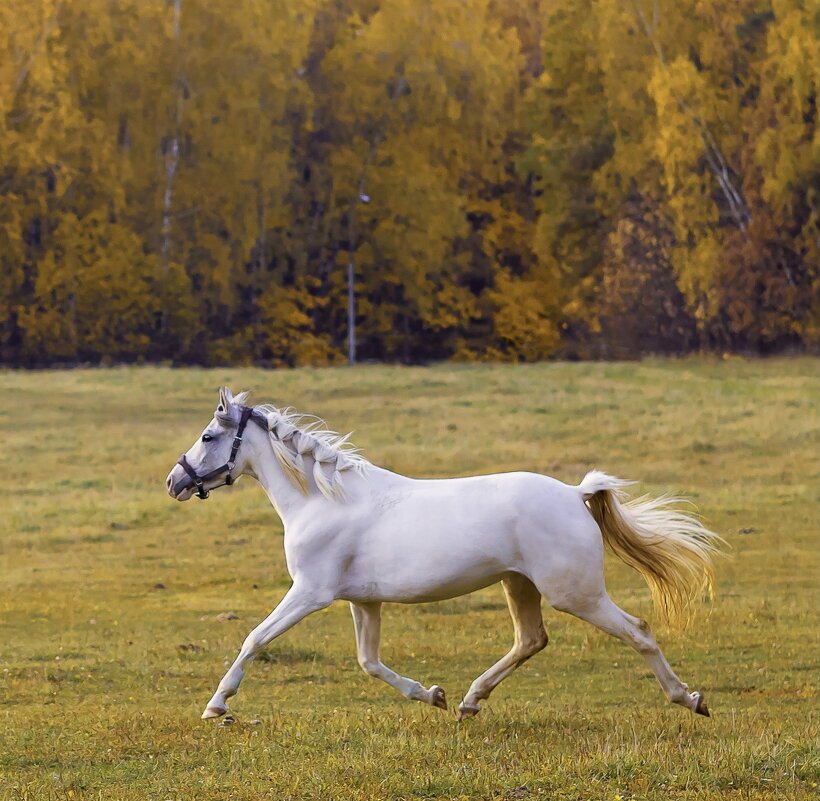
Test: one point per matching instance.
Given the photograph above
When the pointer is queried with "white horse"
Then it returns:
(358, 532)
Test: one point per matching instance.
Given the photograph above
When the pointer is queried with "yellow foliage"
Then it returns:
(192, 186)
(524, 329)
(286, 328)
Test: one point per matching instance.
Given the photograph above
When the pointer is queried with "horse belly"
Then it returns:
(413, 588)
(433, 551)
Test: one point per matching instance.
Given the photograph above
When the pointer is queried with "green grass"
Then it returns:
(109, 592)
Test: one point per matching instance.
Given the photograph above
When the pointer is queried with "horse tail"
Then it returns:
(672, 550)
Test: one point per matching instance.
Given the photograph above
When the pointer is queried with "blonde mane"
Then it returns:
(298, 439)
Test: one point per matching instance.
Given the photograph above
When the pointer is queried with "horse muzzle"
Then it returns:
(180, 487)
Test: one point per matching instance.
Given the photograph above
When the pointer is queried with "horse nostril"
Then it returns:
(169, 483)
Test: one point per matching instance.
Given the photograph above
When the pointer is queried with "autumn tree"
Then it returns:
(276, 183)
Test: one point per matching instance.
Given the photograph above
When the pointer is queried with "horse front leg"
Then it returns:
(367, 623)
(297, 604)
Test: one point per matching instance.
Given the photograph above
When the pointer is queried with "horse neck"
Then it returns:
(284, 495)
(287, 498)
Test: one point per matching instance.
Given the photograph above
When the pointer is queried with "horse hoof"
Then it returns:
(465, 711)
(439, 699)
(700, 706)
(213, 712)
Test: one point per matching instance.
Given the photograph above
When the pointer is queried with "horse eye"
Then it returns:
(206, 437)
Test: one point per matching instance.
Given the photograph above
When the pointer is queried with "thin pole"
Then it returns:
(351, 306)
(172, 151)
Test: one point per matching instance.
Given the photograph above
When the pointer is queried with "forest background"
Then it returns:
(485, 179)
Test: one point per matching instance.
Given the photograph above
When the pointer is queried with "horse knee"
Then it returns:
(251, 646)
(642, 639)
(537, 642)
(530, 644)
(370, 666)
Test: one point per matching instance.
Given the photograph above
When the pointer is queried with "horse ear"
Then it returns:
(225, 400)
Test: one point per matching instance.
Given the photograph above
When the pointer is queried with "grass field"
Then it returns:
(110, 592)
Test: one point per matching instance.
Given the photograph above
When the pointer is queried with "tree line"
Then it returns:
(467, 179)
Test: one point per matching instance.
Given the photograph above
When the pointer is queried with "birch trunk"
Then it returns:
(172, 147)
(733, 195)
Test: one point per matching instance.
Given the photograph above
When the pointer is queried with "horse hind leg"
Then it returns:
(524, 602)
(610, 618)
(367, 624)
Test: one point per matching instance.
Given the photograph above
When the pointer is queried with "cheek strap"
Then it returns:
(248, 413)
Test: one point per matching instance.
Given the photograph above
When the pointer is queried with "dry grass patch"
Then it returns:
(110, 593)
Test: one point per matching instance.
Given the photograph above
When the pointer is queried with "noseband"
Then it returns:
(248, 413)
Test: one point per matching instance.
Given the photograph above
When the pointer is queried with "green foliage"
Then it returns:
(189, 180)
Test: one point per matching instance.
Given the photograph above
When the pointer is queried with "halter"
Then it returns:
(248, 413)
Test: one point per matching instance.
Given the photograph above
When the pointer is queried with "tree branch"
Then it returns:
(714, 157)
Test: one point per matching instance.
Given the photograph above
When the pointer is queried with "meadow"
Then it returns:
(119, 607)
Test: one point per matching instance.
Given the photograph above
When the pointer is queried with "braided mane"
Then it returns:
(297, 439)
